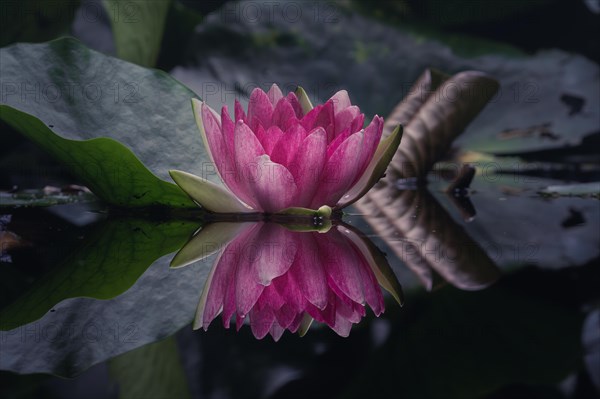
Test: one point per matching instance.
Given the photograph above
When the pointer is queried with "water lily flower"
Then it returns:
(280, 279)
(283, 154)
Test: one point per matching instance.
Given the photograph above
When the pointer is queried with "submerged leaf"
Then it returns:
(573, 190)
(138, 27)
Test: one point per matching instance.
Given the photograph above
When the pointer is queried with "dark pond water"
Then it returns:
(498, 300)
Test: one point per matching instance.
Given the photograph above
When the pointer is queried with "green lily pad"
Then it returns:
(107, 119)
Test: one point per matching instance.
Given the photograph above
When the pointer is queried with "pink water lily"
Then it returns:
(279, 279)
(283, 153)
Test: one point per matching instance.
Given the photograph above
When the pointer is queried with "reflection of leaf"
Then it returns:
(436, 111)
(211, 239)
(152, 371)
(425, 237)
(107, 264)
(530, 228)
(80, 94)
(138, 28)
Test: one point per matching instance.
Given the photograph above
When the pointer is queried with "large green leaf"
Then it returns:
(60, 93)
(108, 168)
(109, 262)
(138, 27)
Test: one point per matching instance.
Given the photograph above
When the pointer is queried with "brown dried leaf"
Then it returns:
(435, 112)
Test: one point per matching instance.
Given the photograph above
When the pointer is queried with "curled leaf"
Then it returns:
(436, 111)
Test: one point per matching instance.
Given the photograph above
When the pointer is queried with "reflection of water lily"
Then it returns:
(284, 153)
(281, 279)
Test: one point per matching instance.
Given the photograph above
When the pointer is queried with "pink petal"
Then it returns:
(341, 266)
(276, 331)
(261, 321)
(357, 123)
(344, 118)
(326, 315)
(359, 309)
(373, 295)
(286, 148)
(274, 251)
(247, 149)
(216, 138)
(308, 272)
(308, 121)
(341, 326)
(337, 141)
(271, 137)
(247, 290)
(226, 163)
(239, 321)
(229, 306)
(288, 289)
(274, 188)
(228, 128)
(295, 105)
(307, 166)
(372, 138)
(274, 94)
(326, 119)
(284, 115)
(271, 298)
(213, 134)
(227, 274)
(340, 101)
(347, 311)
(260, 132)
(260, 107)
(295, 325)
(285, 315)
(240, 114)
(224, 272)
(339, 172)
